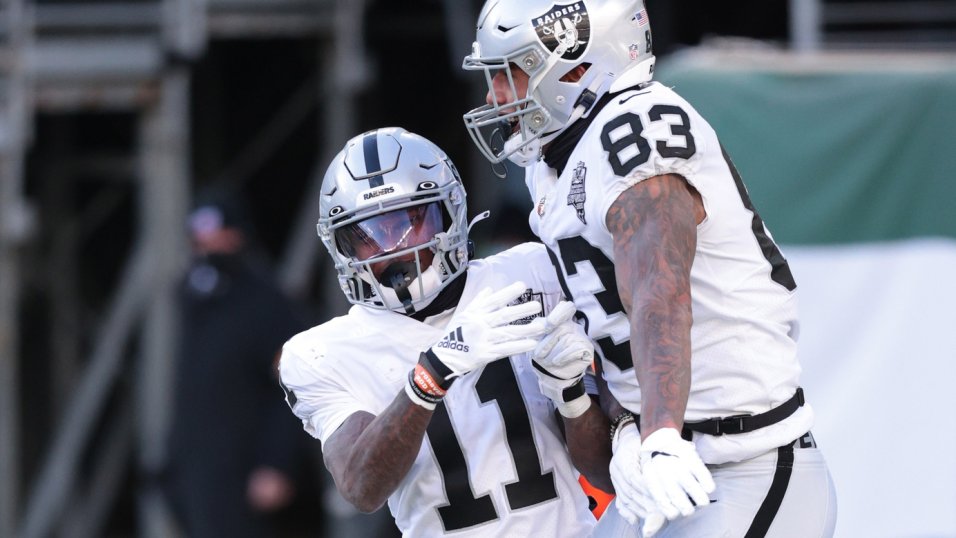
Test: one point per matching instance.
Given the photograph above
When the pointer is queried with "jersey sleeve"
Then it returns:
(641, 135)
(311, 381)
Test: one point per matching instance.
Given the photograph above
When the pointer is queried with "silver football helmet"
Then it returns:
(548, 39)
(392, 215)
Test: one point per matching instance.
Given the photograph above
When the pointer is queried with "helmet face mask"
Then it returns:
(393, 218)
(517, 123)
(547, 41)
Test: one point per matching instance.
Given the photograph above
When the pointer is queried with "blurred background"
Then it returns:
(115, 117)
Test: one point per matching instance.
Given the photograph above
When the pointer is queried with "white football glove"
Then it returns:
(674, 473)
(634, 501)
(560, 360)
(478, 334)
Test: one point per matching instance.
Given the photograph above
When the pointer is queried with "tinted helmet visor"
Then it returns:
(390, 232)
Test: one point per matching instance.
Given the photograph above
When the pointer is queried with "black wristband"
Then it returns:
(620, 421)
(426, 396)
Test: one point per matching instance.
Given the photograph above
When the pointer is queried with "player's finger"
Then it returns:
(637, 504)
(480, 300)
(545, 346)
(657, 490)
(678, 495)
(506, 294)
(626, 511)
(702, 475)
(693, 489)
(581, 351)
(653, 523)
(645, 503)
(503, 333)
(697, 483)
(561, 313)
(508, 314)
(674, 482)
(636, 495)
(514, 347)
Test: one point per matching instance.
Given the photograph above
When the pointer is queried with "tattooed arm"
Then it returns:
(654, 225)
(368, 456)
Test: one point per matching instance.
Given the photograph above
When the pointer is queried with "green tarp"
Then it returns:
(835, 155)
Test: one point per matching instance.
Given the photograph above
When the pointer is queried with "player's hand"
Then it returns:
(634, 501)
(479, 333)
(560, 360)
(674, 473)
(482, 332)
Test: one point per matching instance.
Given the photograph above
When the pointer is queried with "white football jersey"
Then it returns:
(493, 463)
(745, 327)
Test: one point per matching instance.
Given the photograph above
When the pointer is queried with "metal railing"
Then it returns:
(123, 56)
(14, 228)
(888, 24)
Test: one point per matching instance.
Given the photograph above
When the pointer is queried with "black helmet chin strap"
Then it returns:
(398, 276)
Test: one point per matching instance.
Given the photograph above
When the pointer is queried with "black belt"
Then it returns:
(745, 423)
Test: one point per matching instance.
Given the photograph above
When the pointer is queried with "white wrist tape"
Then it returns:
(418, 399)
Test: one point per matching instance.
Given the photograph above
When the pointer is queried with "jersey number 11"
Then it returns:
(498, 384)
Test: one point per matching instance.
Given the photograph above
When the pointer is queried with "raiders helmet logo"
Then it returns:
(564, 28)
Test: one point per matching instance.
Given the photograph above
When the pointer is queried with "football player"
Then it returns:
(691, 304)
(424, 394)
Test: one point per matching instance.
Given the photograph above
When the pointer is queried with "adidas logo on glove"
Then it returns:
(454, 340)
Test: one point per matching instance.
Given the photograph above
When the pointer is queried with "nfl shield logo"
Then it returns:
(564, 28)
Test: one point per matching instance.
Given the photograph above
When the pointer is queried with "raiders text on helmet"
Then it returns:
(547, 40)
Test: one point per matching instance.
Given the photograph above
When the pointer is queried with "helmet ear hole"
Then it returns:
(576, 73)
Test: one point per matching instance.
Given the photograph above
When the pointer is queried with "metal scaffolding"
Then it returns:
(131, 57)
(14, 228)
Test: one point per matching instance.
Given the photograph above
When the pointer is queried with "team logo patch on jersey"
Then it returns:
(577, 194)
(528, 296)
(566, 27)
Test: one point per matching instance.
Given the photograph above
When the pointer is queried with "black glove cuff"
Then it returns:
(436, 368)
(573, 392)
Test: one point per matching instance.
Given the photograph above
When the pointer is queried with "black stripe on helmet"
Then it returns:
(372, 162)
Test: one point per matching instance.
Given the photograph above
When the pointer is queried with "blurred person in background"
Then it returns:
(236, 460)
(652, 233)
